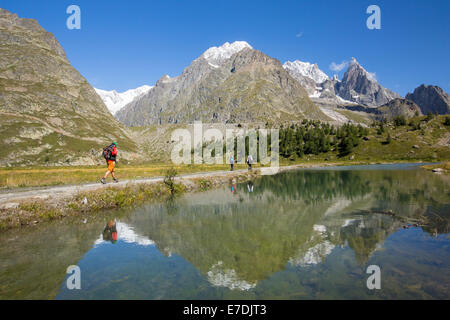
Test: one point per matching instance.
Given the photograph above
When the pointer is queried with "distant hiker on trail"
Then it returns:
(232, 162)
(110, 154)
(249, 161)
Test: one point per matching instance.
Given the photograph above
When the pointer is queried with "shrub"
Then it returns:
(388, 139)
(447, 121)
(169, 180)
(414, 124)
(399, 121)
(205, 185)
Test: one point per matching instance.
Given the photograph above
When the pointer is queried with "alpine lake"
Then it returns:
(303, 234)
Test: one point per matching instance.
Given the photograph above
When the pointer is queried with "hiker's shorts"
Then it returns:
(111, 165)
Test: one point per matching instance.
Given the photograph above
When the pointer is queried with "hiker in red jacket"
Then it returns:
(110, 155)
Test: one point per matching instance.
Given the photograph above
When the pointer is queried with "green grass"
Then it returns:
(45, 176)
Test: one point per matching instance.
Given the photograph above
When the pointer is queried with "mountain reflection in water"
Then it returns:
(303, 234)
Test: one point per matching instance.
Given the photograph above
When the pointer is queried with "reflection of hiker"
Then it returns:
(249, 161)
(233, 186)
(250, 186)
(110, 154)
(232, 162)
(110, 232)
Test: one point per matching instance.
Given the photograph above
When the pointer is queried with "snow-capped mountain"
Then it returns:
(314, 80)
(217, 55)
(116, 101)
(216, 86)
(358, 85)
(306, 69)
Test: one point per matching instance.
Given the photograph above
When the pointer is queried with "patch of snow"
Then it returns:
(314, 255)
(345, 101)
(348, 222)
(219, 54)
(220, 277)
(320, 228)
(316, 94)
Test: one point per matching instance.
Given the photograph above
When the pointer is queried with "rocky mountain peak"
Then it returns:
(399, 107)
(431, 99)
(247, 57)
(361, 86)
(355, 69)
(30, 30)
(164, 79)
(354, 63)
(217, 55)
(48, 110)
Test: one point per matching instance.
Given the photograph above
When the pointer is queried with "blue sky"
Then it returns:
(126, 44)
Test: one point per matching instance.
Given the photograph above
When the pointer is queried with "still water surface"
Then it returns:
(306, 234)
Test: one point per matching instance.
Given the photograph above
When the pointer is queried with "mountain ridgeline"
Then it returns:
(234, 83)
(247, 86)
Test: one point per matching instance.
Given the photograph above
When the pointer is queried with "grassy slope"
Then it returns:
(432, 145)
(430, 142)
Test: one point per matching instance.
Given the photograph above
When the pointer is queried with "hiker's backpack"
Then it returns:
(107, 152)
